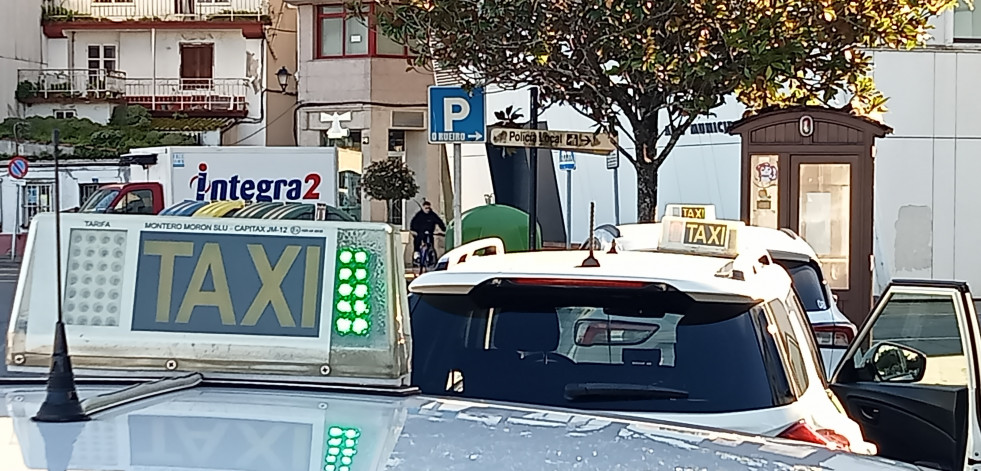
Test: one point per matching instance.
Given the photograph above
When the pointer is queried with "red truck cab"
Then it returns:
(126, 198)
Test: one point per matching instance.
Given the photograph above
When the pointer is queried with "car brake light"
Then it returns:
(584, 283)
(600, 332)
(801, 431)
(834, 335)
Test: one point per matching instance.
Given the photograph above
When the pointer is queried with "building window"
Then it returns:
(967, 24)
(85, 190)
(64, 114)
(396, 149)
(351, 142)
(349, 170)
(35, 198)
(349, 193)
(342, 35)
(101, 59)
(197, 66)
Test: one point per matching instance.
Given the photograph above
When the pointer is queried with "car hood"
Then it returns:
(259, 429)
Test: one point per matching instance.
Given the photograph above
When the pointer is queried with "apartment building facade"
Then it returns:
(200, 59)
(356, 93)
(20, 48)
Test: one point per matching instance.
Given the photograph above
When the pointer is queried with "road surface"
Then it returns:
(8, 284)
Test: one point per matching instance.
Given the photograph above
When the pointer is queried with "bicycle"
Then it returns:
(427, 253)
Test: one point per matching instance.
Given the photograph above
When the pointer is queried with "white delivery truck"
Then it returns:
(160, 177)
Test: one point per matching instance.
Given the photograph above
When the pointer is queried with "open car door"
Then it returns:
(910, 378)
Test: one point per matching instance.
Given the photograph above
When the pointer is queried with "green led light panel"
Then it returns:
(342, 445)
(351, 301)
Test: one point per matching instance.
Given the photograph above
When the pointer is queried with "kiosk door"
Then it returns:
(829, 212)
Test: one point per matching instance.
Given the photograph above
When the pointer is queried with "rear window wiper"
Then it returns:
(601, 391)
(139, 392)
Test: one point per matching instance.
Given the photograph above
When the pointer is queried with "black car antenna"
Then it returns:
(591, 260)
(61, 403)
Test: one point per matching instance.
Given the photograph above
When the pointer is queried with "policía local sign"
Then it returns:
(585, 142)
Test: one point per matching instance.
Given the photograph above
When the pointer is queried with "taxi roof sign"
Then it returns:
(306, 301)
(700, 236)
(691, 211)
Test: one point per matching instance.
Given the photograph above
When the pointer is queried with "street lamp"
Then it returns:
(283, 76)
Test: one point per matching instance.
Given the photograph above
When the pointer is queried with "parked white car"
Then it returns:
(699, 331)
(832, 329)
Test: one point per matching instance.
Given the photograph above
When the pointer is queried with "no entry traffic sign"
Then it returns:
(17, 167)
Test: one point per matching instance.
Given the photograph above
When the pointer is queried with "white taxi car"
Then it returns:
(832, 329)
(263, 347)
(695, 332)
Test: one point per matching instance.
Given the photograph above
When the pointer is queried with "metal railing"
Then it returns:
(156, 10)
(224, 95)
(174, 94)
(69, 83)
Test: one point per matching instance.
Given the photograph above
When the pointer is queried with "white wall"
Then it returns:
(55, 52)
(98, 112)
(20, 48)
(136, 57)
(139, 60)
(926, 172)
(70, 179)
(253, 131)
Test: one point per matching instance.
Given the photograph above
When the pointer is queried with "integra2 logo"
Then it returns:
(237, 188)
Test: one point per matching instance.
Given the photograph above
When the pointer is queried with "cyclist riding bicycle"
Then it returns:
(422, 226)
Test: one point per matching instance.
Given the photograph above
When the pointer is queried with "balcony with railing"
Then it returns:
(159, 10)
(69, 85)
(207, 97)
(193, 97)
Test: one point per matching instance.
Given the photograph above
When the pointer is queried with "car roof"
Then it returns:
(688, 273)
(248, 428)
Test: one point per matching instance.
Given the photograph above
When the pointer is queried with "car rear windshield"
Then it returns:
(637, 353)
(809, 288)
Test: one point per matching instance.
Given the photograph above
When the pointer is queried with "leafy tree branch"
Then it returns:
(646, 69)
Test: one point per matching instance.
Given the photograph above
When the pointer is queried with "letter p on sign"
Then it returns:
(454, 109)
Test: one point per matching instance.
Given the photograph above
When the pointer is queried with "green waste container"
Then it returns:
(495, 220)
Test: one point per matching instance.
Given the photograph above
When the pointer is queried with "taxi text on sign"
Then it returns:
(706, 234)
(229, 284)
(693, 212)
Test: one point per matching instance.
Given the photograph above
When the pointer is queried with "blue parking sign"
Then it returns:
(456, 115)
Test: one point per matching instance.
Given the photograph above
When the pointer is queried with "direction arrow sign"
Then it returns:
(456, 115)
(585, 142)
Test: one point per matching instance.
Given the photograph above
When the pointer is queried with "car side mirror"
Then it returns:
(894, 363)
